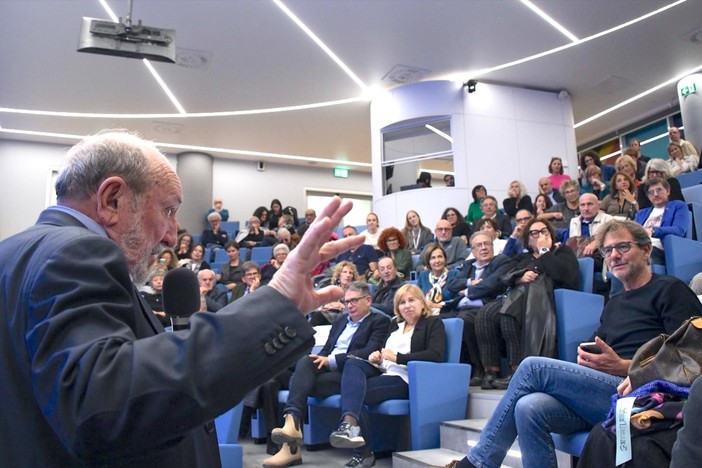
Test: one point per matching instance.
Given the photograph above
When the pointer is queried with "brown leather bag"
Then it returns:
(676, 358)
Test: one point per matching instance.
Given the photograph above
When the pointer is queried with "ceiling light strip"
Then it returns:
(638, 96)
(462, 77)
(321, 44)
(164, 87)
(550, 20)
(209, 149)
(109, 11)
(95, 115)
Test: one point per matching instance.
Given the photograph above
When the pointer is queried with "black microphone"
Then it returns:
(181, 296)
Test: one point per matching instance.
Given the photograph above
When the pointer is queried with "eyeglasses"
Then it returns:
(535, 233)
(655, 191)
(621, 247)
(523, 220)
(353, 301)
(252, 274)
(480, 245)
(392, 240)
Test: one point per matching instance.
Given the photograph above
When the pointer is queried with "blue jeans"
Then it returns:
(307, 380)
(545, 395)
(361, 382)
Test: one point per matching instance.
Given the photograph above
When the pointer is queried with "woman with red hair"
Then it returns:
(394, 245)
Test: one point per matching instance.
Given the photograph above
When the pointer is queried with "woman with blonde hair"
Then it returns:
(415, 336)
(517, 200)
(344, 274)
(417, 234)
(627, 165)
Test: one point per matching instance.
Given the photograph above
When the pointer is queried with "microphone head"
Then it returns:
(181, 293)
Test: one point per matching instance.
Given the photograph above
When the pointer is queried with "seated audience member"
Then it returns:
(665, 218)
(542, 203)
(592, 159)
(424, 180)
(517, 199)
(390, 282)
(196, 263)
(543, 390)
(185, 245)
(514, 242)
(253, 235)
(280, 253)
(450, 180)
(474, 212)
(459, 228)
(627, 165)
(286, 221)
(310, 216)
(211, 297)
(688, 149)
(680, 164)
(560, 215)
(155, 298)
(167, 259)
(478, 282)
(581, 235)
(215, 236)
(555, 168)
(434, 281)
(621, 201)
(414, 336)
(489, 207)
(544, 258)
(344, 273)
(359, 332)
(364, 256)
(373, 230)
(490, 226)
(274, 214)
(638, 156)
(251, 281)
(231, 272)
(394, 245)
(657, 168)
(262, 214)
(284, 236)
(594, 185)
(546, 188)
(217, 208)
(454, 248)
(696, 284)
(416, 234)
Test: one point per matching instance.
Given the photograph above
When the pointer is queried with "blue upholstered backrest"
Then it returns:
(228, 424)
(586, 267)
(454, 336)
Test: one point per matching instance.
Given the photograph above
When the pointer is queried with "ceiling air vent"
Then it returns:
(403, 74)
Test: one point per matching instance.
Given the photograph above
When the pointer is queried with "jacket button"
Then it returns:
(290, 332)
(283, 338)
(209, 427)
(269, 349)
(277, 344)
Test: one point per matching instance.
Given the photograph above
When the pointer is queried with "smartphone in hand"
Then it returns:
(590, 347)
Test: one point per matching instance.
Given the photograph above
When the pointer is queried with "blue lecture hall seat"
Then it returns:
(227, 424)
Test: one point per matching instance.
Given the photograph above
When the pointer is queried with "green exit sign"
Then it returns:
(341, 172)
(685, 90)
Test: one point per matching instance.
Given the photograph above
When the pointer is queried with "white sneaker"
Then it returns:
(347, 436)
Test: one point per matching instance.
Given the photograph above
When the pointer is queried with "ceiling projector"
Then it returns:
(126, 40)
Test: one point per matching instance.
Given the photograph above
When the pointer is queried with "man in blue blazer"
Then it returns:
(357, 333)
(89, 376)
(663, 218)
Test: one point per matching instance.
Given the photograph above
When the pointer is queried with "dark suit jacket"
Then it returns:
(503, 222)
(384, 297)
(428, 341)
(90, 378)
(370, 336)
(215, 299)
(490, 286)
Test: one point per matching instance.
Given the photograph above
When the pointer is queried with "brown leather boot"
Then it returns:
(290, 433)
(287, 456)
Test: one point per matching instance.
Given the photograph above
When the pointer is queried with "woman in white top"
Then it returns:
(373, 230)
(417, 234)
(415, 336)
(679, 163)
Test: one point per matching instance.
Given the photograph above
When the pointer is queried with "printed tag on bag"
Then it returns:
(623, 429)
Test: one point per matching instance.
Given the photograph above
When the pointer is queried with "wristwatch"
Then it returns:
(544, 250)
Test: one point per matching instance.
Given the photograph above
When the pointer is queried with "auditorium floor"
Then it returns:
(325, 458)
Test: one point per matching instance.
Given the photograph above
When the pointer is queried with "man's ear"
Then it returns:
(111, 194)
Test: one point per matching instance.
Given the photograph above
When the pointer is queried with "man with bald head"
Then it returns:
(211, 298)
(546, 187)
(581, 233)
(83, 360)
(456, 250)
